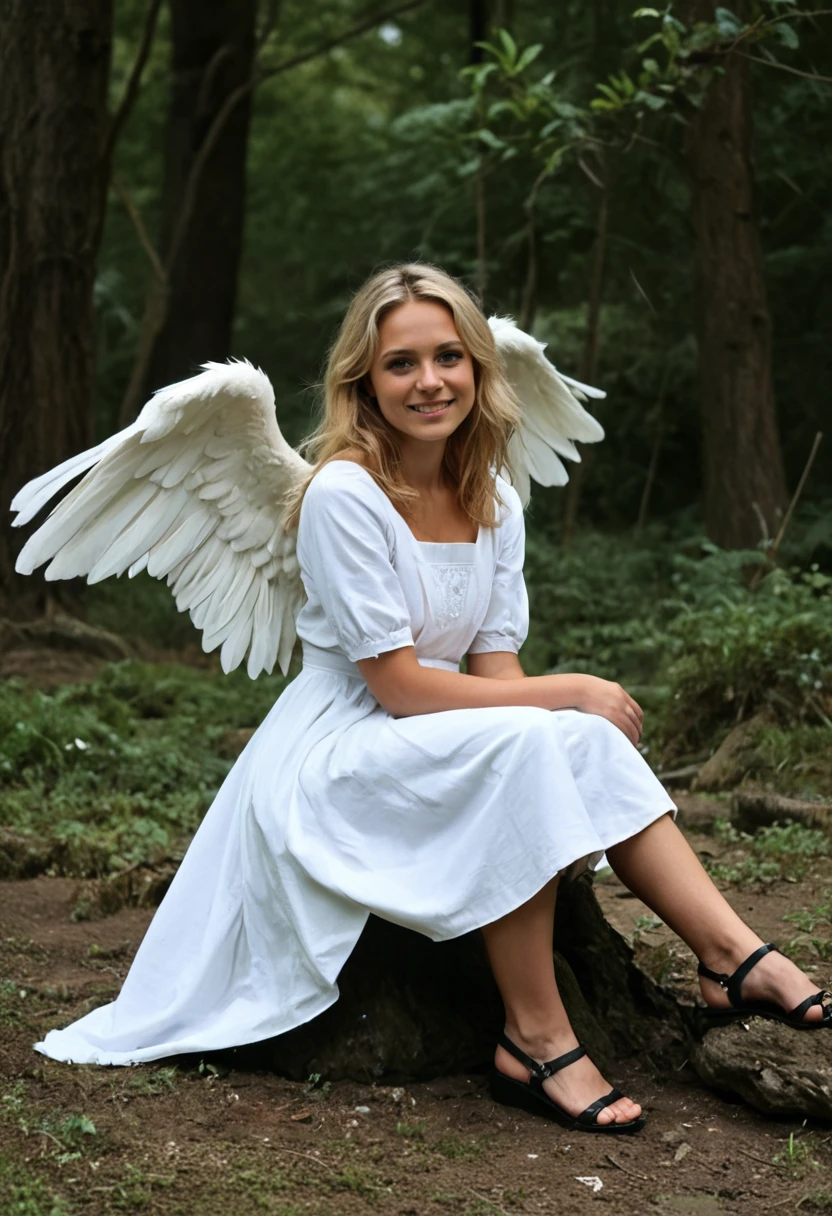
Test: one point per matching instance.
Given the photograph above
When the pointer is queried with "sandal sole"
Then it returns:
(519, 1094)
(710, 1018)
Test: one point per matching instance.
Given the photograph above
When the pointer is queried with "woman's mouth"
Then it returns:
(431, 409)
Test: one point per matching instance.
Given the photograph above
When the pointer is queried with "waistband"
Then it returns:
(330, 660)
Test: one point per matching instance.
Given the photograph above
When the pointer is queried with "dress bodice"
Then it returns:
(372, 586)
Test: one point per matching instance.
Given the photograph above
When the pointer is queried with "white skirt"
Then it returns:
(439, 822)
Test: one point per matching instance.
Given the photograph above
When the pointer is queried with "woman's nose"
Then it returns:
(429, 378)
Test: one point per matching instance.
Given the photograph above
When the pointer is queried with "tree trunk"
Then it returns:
(744, 481)
(413, 1009)
(54, 69)
(213, 54)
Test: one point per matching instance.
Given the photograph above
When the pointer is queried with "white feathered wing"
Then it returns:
(192, 492)
(553, 415)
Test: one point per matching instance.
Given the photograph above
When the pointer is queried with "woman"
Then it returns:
(385, 780)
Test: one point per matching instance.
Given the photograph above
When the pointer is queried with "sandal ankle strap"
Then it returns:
(541, 1071)
(733, 983)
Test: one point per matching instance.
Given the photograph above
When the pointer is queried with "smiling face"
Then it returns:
(422, 375)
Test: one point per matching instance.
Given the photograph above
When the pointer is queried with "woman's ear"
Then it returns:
(367, 389)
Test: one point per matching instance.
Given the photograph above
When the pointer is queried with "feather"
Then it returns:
(552, 414)
(192, 492)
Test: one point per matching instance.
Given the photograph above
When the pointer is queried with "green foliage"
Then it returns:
(696, 635)
(741, 649)
(25, 1194)
(815, 931)
(121, 770)
(781, 851)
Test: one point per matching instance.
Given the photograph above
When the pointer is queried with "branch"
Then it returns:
(361, 28)
(269, 25)
(784, 67)
(131, 90)
(772, 552)
(233, 100)
(145, 241)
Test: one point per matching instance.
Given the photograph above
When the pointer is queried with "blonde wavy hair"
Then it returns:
(353, 422)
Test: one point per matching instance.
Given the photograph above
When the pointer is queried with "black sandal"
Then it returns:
(732, 984)
(531, 1096)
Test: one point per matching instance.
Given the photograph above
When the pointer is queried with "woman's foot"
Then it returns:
(773, 978)
(575, 1087)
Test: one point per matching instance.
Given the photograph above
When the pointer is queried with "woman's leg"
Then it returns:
(520, 952)
(660, 867)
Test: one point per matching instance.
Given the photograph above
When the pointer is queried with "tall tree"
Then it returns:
(744, 481)
(54, 135)
(202, 225)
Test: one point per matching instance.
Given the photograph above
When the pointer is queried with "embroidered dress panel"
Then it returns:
(452, 583)
(440, 822)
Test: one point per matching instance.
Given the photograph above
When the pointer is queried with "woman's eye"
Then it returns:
(397, 365)
(452, 354)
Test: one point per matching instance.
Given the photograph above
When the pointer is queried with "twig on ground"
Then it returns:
(624, 1169)
(490, 1202)
(754, 1157)
(296, 1153)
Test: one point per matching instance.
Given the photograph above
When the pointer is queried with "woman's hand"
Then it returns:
(611, 701)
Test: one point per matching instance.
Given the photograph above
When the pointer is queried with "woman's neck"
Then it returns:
(422, 466)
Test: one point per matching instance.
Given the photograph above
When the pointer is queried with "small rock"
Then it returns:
(776, 1069)
(362, 1110)
(681, 1152)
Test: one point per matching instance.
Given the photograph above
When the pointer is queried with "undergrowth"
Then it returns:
(121, 770)
(702, 637)
(780, 851)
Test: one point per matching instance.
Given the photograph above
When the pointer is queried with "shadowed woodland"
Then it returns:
(648, 192)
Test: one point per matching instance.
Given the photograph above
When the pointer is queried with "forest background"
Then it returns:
(647, 191)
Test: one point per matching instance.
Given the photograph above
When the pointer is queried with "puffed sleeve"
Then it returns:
(506, 621)
(345, 547)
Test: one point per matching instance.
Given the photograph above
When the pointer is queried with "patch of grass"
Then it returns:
(160, 1081)
(644, 924)
(818, 1201)
(25, 1194)
(120, 771)
(797, 1156)
(67, 1135)
(457, 1149)
(411, 1131)
(779, 852)
(808, 920)
(134, 1191)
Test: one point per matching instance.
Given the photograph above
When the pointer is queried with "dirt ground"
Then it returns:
(195, 1138)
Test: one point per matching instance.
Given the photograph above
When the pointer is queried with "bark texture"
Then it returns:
(744, 481)
(201, 244)
(54, 69)
(413, 1009)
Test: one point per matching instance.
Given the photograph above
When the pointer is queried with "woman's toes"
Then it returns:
(621, 1111)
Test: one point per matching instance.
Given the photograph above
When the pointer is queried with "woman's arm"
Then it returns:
(399, 683)
(496, 665)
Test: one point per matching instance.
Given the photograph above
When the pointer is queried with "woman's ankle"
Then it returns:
(542, 1041)
(726, 955)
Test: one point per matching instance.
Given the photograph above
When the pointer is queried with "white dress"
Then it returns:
(439, 822)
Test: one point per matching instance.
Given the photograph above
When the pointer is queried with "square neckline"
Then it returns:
(431, 544)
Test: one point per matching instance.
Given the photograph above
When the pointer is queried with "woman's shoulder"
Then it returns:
(343, 481)
(342, 470)
(512, 505)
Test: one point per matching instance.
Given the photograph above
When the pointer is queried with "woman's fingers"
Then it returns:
(626, 723)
